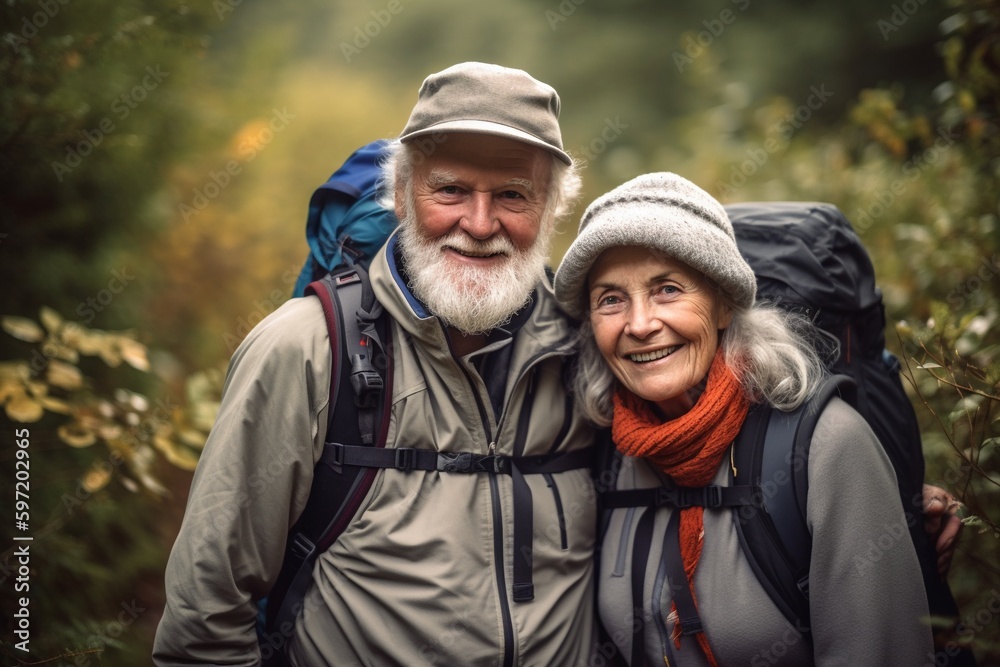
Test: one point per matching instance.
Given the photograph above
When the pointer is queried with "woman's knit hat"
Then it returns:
(661, 211)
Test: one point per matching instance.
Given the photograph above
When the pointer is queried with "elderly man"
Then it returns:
(436, 567)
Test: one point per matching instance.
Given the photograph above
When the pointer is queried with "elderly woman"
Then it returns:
(675, 353)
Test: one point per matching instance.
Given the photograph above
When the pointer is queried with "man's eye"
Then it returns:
(511, 194)
(450, 190)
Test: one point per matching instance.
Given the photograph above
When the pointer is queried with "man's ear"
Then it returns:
(398, 199)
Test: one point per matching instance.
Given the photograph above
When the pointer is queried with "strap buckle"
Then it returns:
(666, 496)
(454, 461)
(333, 456)
(405, 458)
(709, 497)
(365, 381)
(803, 586)
(302, 547)
(467, 462)
(712, 496)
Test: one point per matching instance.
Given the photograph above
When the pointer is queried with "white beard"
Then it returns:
(467, 298)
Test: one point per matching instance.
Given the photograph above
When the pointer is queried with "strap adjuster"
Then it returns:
(691, 626)
(405, 458)
(712, 496)
(302, 547)
(333, 456)
(803, 586)
(709, 497)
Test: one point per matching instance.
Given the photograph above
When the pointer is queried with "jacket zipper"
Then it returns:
(550, 480)
(508, 623)
(498, 546)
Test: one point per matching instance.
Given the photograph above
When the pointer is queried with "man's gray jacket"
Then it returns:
(423, 573)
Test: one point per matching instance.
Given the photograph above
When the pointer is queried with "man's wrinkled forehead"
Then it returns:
(439, 177)
(461, 153)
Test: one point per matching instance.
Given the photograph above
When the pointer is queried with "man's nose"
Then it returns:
(480, 221)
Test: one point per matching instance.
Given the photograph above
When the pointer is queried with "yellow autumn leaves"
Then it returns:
(134, 428)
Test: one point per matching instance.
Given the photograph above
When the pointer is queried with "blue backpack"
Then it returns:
(345, 225)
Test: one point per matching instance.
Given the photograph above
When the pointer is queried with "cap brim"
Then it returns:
(487, 127)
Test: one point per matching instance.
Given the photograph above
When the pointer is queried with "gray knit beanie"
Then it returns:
(661, 211)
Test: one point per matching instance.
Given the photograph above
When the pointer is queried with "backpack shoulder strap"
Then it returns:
(361, 369)
(771, 454)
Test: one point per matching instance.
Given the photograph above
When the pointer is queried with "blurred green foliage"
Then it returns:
(158, 157)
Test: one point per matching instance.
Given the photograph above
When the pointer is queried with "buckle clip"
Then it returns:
(666, 496)
(455, 462)
(365, 381)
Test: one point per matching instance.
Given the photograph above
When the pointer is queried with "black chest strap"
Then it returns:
(337, 455)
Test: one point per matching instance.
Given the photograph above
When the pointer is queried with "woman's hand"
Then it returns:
(942, 523)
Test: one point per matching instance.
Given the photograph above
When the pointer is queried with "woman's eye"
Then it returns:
(609, 301)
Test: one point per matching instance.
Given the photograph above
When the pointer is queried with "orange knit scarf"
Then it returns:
(689, 449)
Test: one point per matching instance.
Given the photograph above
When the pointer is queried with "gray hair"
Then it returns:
(397, 170)
(773, 353)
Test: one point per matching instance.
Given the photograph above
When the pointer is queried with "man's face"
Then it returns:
(472, 234)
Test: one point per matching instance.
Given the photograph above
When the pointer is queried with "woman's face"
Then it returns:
(656, 322)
